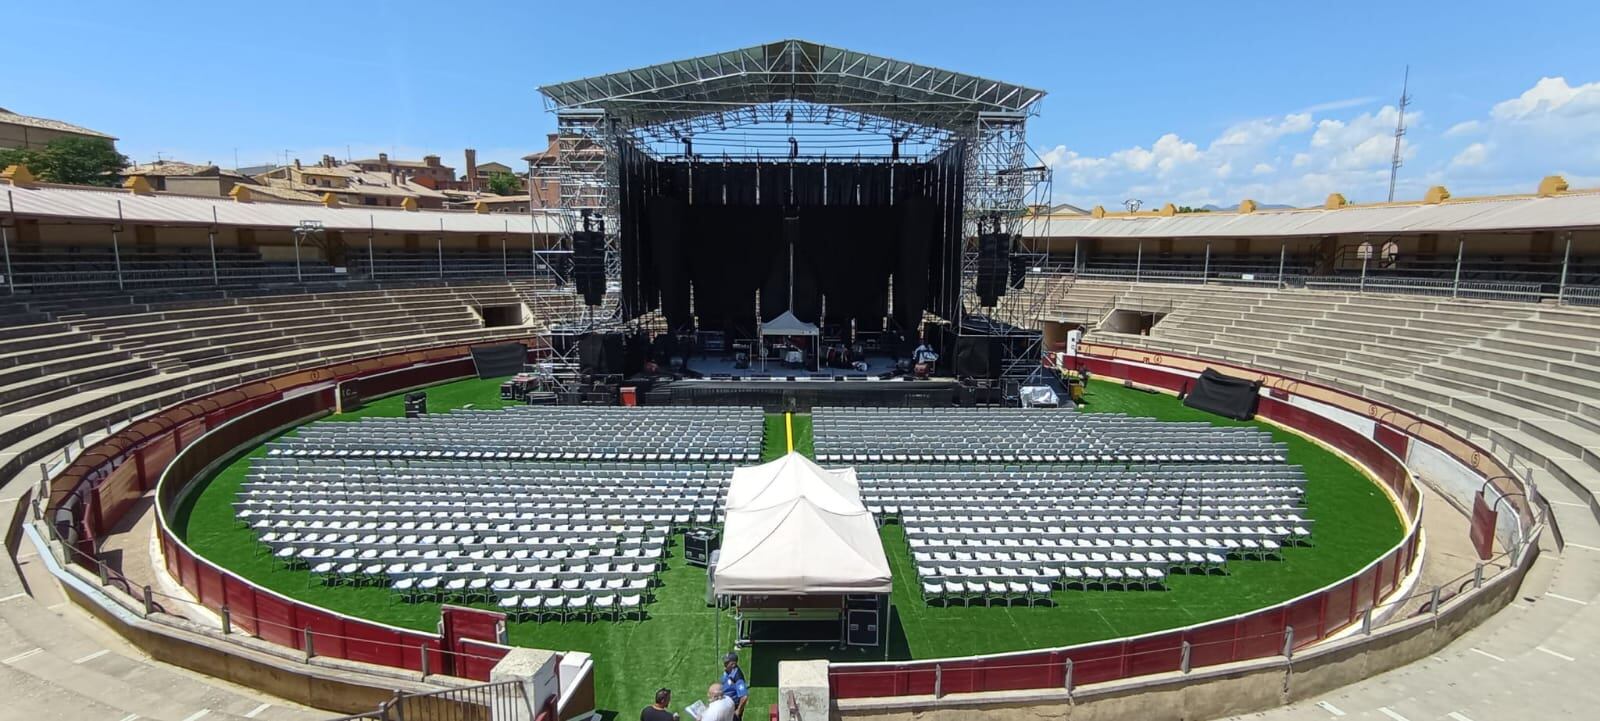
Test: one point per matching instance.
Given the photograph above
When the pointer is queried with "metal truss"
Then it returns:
(919, 142)
(586, 172)
(790, 69)
(1001, 186)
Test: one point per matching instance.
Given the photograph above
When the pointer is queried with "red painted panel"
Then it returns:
(1366, 585)
(1392, 438)
(371, 643)
(853, 683)
(1018, 671)
(276, 621)
(171, 552)
(1387, 578)
(241, 599)
(327, 630)
(1097, 663)
(1261, 634)
(188, 572)
(1339, 612)
(477, 659)
(1484, 519)
(1212, 643)
(959, 676)
(209, 586)
(1305, 617)
(1156, 654)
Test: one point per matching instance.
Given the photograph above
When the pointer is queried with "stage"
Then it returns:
(777, 393)
(721, 365)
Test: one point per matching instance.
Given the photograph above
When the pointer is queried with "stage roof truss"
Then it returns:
(894, 90)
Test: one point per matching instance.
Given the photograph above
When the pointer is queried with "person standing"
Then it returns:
(658, 711)
(718, 706)
(734, 684)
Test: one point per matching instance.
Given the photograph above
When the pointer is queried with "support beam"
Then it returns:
(1566, 259)
(1461, 251)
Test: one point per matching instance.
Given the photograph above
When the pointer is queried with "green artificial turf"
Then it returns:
(675, 645)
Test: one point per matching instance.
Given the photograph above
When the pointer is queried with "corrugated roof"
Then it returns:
(6, 116)
(1565, 210)
(101, 205)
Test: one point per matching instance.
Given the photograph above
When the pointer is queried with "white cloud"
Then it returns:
(1340, 104)
(1549, 96)
(1472, 155)
(1300, 157)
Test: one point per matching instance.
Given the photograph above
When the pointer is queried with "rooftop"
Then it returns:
(8, 117)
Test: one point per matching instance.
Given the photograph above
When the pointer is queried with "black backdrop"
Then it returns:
(720, 232)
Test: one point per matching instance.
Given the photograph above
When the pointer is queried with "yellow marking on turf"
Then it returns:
(788, 430)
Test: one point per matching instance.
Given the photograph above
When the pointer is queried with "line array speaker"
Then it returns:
(589, 265)
(994, 260)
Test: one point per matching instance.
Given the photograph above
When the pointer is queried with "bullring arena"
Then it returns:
(958, 456)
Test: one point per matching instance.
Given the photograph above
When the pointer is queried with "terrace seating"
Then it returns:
(70, 367)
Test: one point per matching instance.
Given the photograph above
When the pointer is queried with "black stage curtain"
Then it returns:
(728, 233)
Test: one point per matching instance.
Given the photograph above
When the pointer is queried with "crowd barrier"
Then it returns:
(170, 449)
(1278, 630)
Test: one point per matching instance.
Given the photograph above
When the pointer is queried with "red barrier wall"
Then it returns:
(112, 474)
(1258, 634)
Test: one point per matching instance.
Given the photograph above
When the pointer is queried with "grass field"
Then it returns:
(676, 645)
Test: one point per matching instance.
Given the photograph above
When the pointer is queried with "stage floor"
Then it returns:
(722, 365)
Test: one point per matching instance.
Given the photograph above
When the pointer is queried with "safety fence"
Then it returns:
(1278, 630)
(172, 448)
(503, 700)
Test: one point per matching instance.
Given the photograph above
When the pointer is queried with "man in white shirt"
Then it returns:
(718, 707)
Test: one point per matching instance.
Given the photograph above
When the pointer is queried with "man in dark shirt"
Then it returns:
(658, 710)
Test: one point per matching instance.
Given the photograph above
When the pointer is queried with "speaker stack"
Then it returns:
(994, 264)
(589, 262)
(1019, 266)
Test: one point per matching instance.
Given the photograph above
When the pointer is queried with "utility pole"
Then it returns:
(1399, 131)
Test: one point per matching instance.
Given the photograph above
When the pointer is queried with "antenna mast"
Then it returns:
(1399, 131)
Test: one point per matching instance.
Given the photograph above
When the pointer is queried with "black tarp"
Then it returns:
(494, 361)
(1234, 398)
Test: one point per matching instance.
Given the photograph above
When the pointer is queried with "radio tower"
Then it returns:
(1399, 131)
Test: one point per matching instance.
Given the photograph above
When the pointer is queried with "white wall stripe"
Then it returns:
(1456, 716)
(1385, 710)
(1557, 654)
(12, 597)
(1482, 652)
(22, 655)
(93, 656)
(196, 716)
(1330, 708)
(257, 710)
(1568, 599)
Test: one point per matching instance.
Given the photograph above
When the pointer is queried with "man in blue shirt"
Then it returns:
(734, 685)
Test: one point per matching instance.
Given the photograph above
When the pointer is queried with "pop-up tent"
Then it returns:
(787, 325)
(794, 528)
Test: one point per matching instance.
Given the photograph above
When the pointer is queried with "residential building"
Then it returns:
(25, 132)
(352, 185)
(428, 168)
(546, 189)
(183, 178)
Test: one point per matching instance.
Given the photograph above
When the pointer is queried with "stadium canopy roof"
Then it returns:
(103, 205)
(792, 70)
(1505, 213)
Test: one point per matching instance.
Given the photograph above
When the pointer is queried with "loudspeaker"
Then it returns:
(994, 260)
(977, 357)
(416, 404)
(1019, 271)
(589, 265)
(601, 354)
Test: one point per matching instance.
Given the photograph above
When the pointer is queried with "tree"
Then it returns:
(503, 184)
(73, 161)
(1188, 209)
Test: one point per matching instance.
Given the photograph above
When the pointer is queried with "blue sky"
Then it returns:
(1184, 102)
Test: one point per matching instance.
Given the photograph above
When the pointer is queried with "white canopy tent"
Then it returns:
(788, 325)
(795, 528)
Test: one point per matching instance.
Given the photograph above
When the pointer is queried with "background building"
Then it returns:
(26, 132)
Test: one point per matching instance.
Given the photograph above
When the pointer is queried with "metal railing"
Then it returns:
(500, 701)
